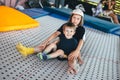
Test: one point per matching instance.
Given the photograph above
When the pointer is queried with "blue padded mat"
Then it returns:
(101, 24)
(117, 32)
(60, 11)
(118, 17)
(35, 12)
(59, 16)
(96, 23)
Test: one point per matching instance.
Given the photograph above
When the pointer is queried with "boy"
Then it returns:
(62, 48)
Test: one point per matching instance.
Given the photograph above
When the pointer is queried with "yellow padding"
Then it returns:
(12, 19)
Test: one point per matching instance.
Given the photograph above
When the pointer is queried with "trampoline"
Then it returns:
(100, 52)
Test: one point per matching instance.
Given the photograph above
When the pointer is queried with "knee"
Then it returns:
(52, 45)
(61, 51)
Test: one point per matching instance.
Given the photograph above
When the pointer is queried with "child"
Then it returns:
(64, 46)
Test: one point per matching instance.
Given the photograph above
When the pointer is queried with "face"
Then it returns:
(68, 32)
(76, 19)
(113, 2)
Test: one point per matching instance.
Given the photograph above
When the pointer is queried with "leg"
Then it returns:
(62, 2)
(25, 51)
(7, 2)
(57, 53)
(52, 55)
(73, 67)
(114, 17)
(50, 47)
(41, 47)
(13, 3)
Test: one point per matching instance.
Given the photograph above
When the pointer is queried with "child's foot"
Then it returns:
(70, 71)
(73, 67)
(42, 56)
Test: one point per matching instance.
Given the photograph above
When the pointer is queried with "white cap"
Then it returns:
(78, 11)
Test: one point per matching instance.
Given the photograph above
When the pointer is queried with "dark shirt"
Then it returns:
(106, 6)
(80, 31)
(67, 45)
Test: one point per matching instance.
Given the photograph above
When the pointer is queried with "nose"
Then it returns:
(68, 32)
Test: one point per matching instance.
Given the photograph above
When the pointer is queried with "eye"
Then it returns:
(78, 18)
(71, 31)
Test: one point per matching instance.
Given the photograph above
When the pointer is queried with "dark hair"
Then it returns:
(69, 24)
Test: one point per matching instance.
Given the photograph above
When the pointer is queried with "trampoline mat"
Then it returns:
(100, 53)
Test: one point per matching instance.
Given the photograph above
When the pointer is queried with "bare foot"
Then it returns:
(73, 66)
(71, 71)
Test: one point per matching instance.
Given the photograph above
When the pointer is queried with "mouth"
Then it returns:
(68, 36)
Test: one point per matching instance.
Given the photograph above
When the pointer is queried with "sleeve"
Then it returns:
(82, 33)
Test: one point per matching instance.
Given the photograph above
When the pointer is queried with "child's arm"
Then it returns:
(53, 36)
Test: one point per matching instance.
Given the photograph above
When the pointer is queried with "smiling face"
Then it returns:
(69, 32)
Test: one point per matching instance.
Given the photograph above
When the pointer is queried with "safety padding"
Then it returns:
(35, 12)
(117, 32)
(94, 22)
(102, 25)
(118, 17)
(60, 11)
(12, 19)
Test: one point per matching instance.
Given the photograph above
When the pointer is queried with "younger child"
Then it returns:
(63, 46)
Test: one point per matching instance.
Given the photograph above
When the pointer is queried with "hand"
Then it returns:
(73, 55)
(42, 46)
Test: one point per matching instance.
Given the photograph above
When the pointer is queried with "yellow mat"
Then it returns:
(12, 19)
